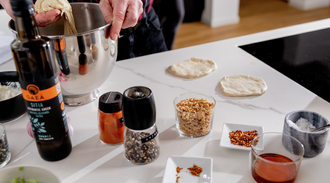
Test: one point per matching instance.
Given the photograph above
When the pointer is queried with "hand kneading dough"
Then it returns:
(242, 85)
(193, 68)
(64, 6)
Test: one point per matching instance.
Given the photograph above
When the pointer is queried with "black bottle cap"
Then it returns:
(81, 44)
(22, 7)
(139, 109)
(110, 102)
(83, 59)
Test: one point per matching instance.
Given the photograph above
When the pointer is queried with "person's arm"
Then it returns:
(122, 14)
(6, 5)
(43, 19)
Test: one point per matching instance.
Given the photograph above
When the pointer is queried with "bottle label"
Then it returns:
(150, 137)
(60, 45)
(45, 108)
(33, 93)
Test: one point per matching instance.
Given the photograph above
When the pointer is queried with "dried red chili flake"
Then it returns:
(242, 138)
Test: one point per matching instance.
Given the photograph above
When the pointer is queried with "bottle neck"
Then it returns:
(26, 27)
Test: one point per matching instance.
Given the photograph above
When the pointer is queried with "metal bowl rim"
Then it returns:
(69, 35)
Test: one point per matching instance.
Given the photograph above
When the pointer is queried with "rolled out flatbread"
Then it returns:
(193, 68)
(242, 85)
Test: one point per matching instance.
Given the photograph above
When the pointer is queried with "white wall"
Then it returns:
(306, 5)
(220, 12)
(224, 12)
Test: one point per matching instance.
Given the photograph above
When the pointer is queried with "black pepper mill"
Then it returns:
(141, 135)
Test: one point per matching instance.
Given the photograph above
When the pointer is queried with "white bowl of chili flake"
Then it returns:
(239, 136)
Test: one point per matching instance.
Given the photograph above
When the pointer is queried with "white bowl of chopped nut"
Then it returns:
(194, 114)
(239, 136)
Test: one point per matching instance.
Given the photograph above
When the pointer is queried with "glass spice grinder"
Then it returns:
(141, 136)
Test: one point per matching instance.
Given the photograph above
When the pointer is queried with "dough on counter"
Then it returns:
(193, 68)
(242, 85)
(64, 6)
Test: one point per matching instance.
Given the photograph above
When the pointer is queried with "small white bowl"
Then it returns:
(29, 172)
(229, 127)
(173, 162)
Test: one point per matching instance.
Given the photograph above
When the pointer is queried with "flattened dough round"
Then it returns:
(242, 85)
(193, 68)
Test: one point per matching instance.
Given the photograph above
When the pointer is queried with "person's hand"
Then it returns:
(6, 5)
(49, 17)
(122, 14)
(42, 19)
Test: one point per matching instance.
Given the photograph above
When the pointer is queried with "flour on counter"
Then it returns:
(301, 124)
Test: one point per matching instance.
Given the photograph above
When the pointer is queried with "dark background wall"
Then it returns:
(193, 10)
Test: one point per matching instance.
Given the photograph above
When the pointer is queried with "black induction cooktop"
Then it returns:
(305, 58)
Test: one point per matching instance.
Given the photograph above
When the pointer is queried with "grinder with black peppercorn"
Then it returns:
(141, 135)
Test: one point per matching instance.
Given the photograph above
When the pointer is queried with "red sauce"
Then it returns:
(266, 172)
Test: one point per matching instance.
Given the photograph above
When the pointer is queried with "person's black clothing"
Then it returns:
(147, 38)
(170, 14)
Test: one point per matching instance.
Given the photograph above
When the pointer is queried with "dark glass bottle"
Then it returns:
(61, 56)
(40, 84)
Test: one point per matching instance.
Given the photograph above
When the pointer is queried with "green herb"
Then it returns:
(22, 180)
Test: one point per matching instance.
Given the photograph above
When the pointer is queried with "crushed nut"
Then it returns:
(242, 138)
(178, 169)
(177, 179)
(195, 170)
(194, 116)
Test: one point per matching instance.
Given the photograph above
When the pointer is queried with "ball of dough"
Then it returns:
(64, 6)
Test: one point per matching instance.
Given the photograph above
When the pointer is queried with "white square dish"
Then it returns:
(173, 162)
(229, 127)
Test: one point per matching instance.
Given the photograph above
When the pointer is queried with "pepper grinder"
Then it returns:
(141, 136)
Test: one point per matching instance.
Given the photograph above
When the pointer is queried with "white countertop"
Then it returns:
(92, 161)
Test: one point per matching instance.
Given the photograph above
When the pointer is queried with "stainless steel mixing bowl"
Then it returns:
(87, 58)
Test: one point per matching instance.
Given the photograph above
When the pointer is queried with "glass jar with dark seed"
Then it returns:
(5, 154)
(141, 146)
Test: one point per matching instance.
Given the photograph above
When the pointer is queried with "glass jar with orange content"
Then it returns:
(110, 118)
